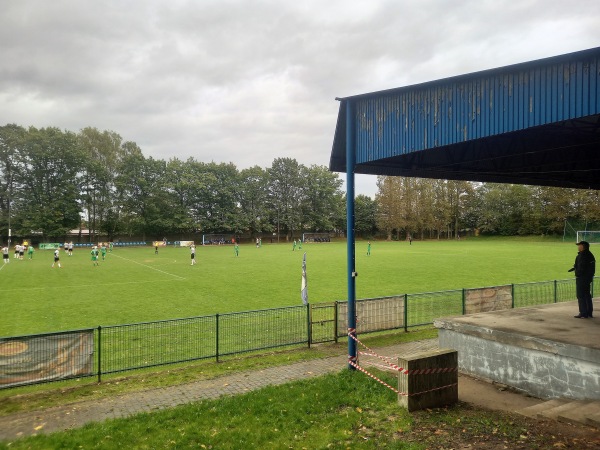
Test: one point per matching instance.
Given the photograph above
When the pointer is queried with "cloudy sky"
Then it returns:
(250, 81)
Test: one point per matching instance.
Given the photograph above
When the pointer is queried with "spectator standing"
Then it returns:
(584, 268)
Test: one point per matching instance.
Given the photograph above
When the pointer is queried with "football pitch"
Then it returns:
(135, 285)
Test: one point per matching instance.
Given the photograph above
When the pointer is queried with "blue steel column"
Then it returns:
(350, 164)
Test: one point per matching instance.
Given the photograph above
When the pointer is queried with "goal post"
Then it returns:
(316, 237)
(217, 239)
(593, 237)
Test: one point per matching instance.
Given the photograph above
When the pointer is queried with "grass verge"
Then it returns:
(36, 397)
(336, 411)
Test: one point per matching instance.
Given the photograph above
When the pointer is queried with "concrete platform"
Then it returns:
(542, 351)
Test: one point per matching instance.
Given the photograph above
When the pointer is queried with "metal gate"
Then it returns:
(323, 322)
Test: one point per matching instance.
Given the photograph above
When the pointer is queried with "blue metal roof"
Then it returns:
(530, 123)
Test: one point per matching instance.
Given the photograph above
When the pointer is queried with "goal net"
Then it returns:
(316, 237)
(217, 239)
(593, 237)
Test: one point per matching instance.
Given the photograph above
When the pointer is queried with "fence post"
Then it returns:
(217, 337)
(99, 354)
(512, 295)
(405, 313)
(308, 323)
(464, 301)
(335, 321)
(555, 291)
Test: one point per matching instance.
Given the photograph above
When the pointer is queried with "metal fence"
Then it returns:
(103, 350)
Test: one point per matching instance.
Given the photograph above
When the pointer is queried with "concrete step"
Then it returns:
(533, 411)
(580, 414)
(557, 411)
(584, 412)
(593, 420)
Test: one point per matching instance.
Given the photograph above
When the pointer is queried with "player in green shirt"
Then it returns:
(30, 251)
(103, 250)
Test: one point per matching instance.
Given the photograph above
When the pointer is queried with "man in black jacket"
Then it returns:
(585, 268)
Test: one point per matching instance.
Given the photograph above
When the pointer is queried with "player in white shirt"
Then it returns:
(56, 258)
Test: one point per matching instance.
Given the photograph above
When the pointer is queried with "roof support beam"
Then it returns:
(350, 164)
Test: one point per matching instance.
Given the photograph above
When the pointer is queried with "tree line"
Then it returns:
(429, 208)
(53, 181)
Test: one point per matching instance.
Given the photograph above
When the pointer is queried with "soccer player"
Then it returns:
(294, 247)
(56, 258)
(94, 254)
(236, 249)
(369, 248)
(30, 251)
(5, 256)
(103, 251)
(193, 253)
(71, 248)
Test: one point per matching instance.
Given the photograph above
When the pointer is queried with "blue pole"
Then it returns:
(350, 164)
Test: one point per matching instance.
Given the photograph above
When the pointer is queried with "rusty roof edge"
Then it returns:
(581, 54)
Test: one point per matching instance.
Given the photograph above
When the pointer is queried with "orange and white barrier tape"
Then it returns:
(353, 363)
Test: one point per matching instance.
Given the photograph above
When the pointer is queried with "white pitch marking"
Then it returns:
(150, 267)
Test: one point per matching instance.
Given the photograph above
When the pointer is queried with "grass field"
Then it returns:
(338, 411)
(135, 285)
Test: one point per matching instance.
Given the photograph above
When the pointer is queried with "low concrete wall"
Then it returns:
(538, 366)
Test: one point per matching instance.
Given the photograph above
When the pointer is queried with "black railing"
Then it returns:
(110, 349)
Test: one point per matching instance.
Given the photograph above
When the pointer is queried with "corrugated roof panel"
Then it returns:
(430, 116)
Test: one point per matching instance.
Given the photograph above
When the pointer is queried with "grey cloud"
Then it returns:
(228, 80)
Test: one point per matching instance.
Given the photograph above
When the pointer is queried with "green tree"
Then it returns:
(365, 216)
(319, 198)
(253, 198)
(507, 209)
(216, 200)
(49, 180)
(458, 192)
(388, 205)
(141, 190)
(12, 141)
(201, 192)
(285, 191)
(103, 155)
(180, 184)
